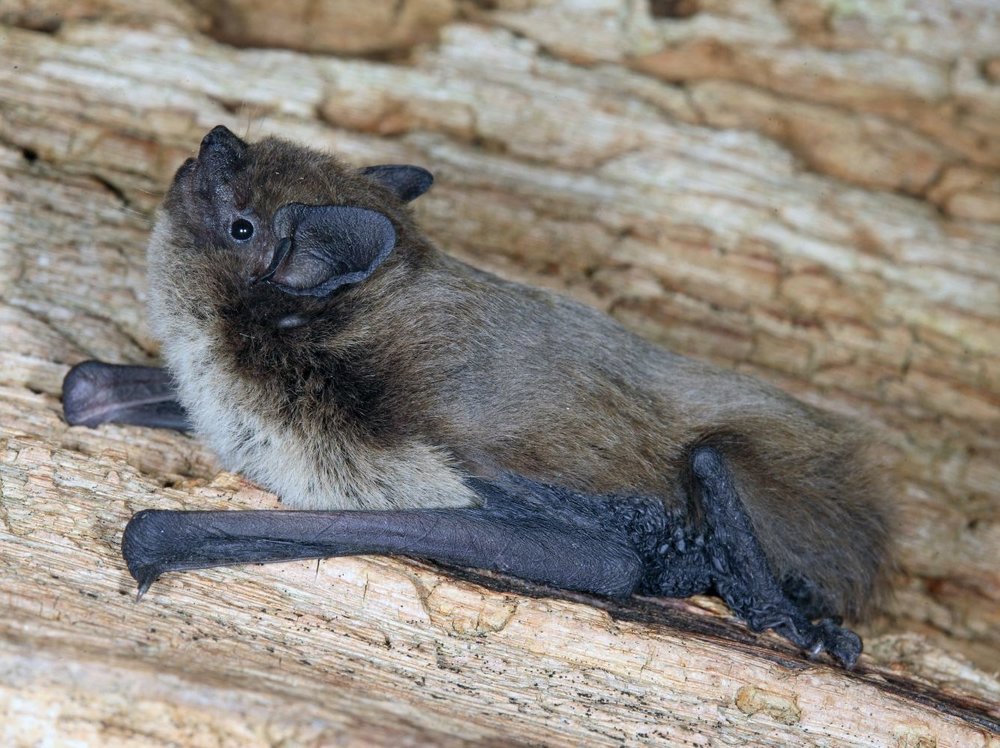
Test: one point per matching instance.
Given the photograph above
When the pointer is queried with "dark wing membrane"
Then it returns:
(96, 393)
(516, 531)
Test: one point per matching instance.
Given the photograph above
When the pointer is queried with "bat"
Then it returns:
(402, 402)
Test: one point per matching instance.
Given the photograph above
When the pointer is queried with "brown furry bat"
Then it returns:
(325, 348)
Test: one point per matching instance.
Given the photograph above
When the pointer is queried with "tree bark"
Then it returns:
(807, 191)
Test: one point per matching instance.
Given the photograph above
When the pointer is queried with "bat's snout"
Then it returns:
(221, 151)
(220, 137)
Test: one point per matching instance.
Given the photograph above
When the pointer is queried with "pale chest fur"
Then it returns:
(317, 470)
(314, 472)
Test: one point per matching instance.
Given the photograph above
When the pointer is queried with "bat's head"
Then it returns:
(266, 221)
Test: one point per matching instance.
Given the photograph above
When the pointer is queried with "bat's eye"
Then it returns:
(241, 229)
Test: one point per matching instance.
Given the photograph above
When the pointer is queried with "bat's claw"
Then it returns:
(145, 578)
(840, 643)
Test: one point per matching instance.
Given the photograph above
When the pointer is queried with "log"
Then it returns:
(379, 651)
(805, 191)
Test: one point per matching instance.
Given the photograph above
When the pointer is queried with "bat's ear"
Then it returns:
(403, 180)
(323, 247)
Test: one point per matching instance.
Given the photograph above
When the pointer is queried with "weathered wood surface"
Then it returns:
(795, 189)
(364, 650)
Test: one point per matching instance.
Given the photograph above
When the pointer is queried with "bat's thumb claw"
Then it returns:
(145, 582)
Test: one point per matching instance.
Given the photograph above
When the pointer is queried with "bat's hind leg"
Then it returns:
(741, 574)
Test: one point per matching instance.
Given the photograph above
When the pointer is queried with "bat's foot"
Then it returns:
(675, 560)
(823, 636)
(840, 643)
(742, 575)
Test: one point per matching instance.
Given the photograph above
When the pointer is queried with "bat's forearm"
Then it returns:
(565, 549)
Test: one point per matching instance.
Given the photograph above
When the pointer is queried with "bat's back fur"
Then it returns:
(389, 392)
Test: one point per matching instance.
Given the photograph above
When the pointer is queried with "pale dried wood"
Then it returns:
(339, 26)
(598, 180)
(368, 650)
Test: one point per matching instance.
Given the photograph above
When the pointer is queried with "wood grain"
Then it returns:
(800, 190)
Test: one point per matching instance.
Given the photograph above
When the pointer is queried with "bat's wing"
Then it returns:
(603, 545)
(741, 574)
(613, 546)
(96, 393)
(526, 529)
